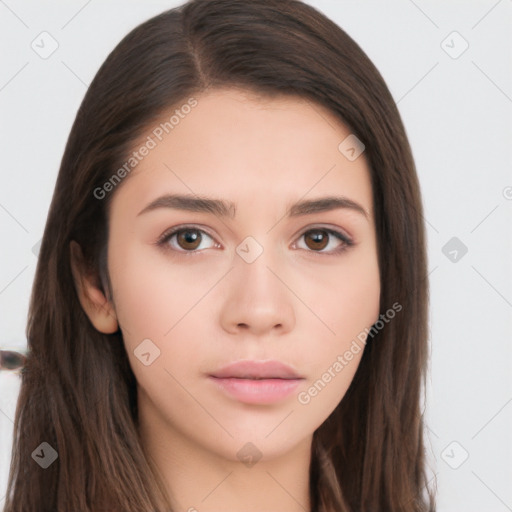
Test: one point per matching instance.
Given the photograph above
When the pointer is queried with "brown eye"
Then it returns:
(325, 241)
(189, 239)
(316, 239)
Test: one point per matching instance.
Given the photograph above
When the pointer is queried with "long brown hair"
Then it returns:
(78, 390)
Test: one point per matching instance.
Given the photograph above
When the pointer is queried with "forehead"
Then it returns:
(236, 144)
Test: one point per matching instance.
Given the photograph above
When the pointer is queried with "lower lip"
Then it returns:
(251, 391)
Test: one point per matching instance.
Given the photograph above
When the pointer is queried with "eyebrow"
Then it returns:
(201, 204)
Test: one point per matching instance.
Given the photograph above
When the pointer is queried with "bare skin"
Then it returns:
(299, 301)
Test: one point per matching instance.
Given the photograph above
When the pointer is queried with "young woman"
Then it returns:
(230, 305)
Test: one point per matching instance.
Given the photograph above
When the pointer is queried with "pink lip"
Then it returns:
(257, 370)
(257, 382)
(263, 391)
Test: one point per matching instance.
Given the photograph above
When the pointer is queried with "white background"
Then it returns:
(458, 116)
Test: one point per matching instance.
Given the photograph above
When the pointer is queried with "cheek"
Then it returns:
(151, 294)
(156, 301)
(347, 300)
(358, 299)
(346, 297)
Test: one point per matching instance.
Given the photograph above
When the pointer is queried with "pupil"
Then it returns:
(189, 237)
(319, 239)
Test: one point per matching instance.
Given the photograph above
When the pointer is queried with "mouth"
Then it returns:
(257, 382)
(257, 370)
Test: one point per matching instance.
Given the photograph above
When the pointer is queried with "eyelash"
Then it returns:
(164, 239)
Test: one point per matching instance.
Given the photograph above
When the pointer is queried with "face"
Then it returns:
(265, 275)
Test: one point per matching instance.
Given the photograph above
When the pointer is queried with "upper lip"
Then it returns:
(256, 370)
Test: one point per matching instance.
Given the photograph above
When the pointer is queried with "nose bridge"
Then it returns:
(256, 299)
(252, 265)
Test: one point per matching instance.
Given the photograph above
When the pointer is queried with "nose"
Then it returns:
(256, 299)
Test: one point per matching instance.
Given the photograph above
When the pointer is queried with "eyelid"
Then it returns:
(329, 228)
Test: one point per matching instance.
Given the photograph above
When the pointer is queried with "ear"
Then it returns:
(96, 306)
